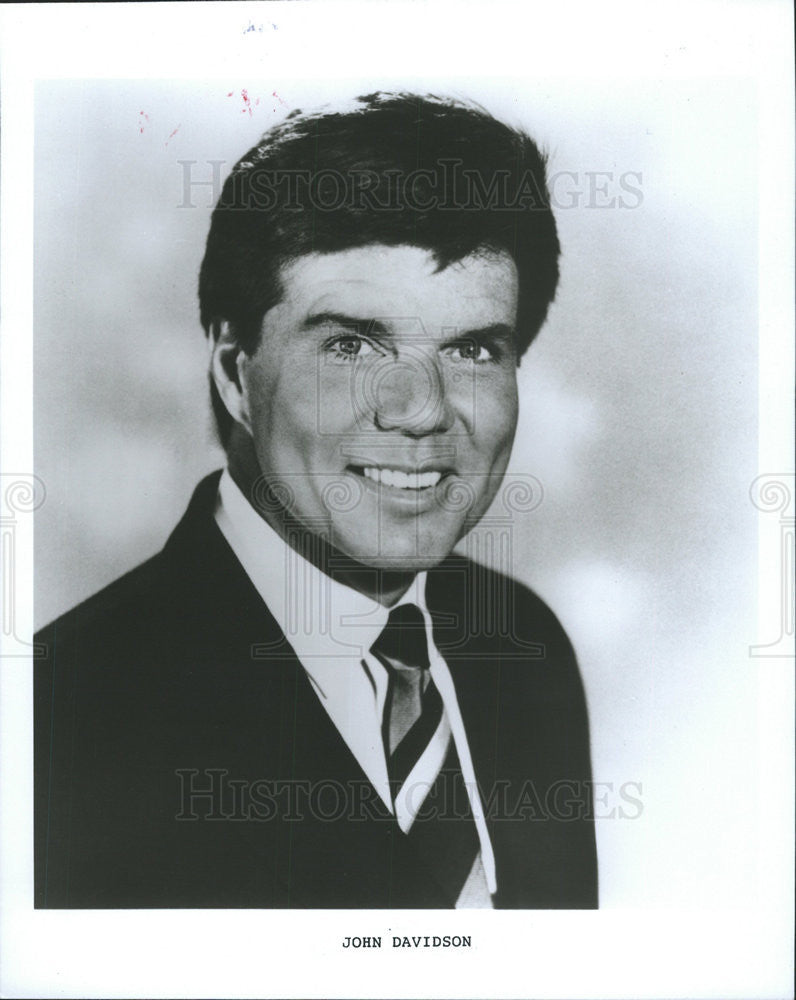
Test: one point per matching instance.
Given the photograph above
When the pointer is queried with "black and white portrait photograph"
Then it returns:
(398, 500)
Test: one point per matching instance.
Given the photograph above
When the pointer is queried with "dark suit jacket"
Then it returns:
(183, 758)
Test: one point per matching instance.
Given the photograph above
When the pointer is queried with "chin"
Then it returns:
(406, 564)
(396, 558)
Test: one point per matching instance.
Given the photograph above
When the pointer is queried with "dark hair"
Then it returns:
(396, 169)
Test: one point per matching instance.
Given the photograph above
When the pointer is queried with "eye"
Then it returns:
(349, 347)
(472, 351)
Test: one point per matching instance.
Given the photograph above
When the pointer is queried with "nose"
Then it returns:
(408, 394)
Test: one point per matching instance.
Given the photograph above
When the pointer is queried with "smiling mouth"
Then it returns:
(398, 479)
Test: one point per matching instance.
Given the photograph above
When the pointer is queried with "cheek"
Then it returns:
(262, 404)
(282, 407)
(496, 414)
(341, 396)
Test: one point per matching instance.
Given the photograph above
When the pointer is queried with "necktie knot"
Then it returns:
(403, 638)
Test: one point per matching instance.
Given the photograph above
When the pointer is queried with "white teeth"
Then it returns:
(403, 480)
(426, 479)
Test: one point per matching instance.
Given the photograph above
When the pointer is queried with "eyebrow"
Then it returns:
(316, 320)
(495, 331)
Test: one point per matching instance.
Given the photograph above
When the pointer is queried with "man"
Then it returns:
(304, 699)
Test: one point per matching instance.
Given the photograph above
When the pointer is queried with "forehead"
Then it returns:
(403, 281)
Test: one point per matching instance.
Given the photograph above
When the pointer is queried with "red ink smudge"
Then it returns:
(274, 94)
(142, 115)
(247, 101)
(176, 130)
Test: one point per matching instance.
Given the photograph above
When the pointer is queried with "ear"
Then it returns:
(226, 357)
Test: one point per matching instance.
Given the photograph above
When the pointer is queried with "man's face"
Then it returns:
(383, 396)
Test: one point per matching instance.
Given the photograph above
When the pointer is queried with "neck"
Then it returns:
(383, 585)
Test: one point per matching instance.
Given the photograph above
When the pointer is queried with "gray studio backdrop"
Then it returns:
(639, 411)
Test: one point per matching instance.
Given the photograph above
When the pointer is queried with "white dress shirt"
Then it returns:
(331, 628)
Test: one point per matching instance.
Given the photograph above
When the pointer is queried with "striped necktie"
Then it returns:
(421, 754)
(413, 711)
